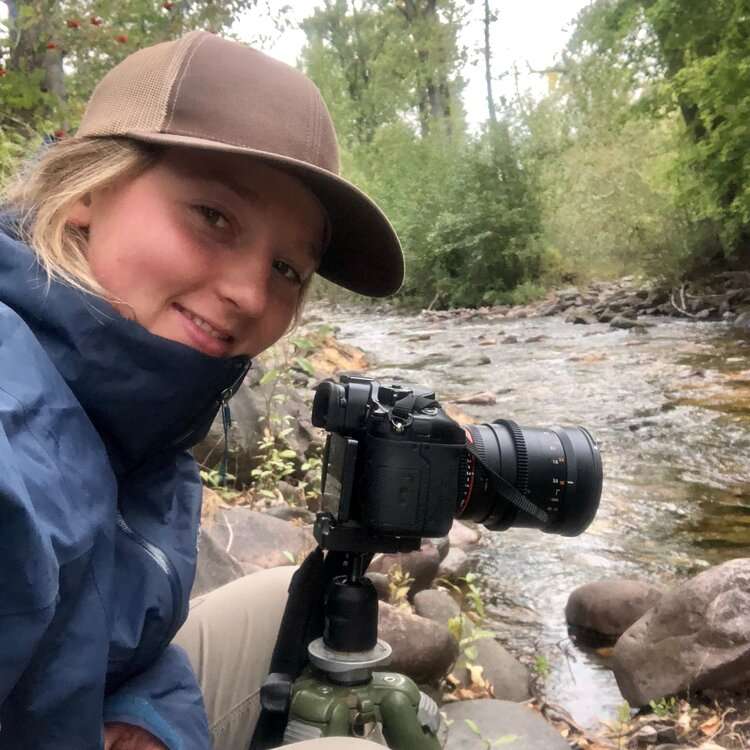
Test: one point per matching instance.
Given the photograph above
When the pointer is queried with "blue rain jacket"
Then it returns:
(99, 512)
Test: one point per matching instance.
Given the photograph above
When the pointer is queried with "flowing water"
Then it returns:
(670, 409)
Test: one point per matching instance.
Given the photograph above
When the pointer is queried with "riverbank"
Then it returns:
(665, 402)
(722, 297)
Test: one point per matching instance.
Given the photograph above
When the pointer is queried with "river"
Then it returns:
(670, 409)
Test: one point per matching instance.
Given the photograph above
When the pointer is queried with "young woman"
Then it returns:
(143, 262)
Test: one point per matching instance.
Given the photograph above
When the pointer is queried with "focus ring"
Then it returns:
(522, 454)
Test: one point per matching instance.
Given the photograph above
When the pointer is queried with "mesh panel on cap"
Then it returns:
(133, 96)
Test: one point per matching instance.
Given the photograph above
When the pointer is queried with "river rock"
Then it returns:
(442, 545)
(610, 607)
(500, 724)
(436, 605)
(257, 540)
(742, 321)
(422, 649)
(456, 564)
(697, 637)
(581, 317)
(476, 360)
(422, 565)
(215, 566)
(509, 678)
(382, 585)
(284, 512)
(620, 321)
(247, 406)
(462, 535)
(485, 398)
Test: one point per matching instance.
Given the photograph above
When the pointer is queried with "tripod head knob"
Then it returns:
(276, 693)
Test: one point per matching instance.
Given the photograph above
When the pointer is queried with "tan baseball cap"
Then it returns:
(206, 92)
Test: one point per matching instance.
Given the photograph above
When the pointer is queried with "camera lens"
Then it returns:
(542, 478)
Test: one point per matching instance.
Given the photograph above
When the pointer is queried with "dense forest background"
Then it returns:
(636, 161)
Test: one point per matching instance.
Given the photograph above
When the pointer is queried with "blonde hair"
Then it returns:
(46, 190)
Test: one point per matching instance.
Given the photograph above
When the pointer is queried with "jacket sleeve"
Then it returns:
(165, 700)
(29, 567)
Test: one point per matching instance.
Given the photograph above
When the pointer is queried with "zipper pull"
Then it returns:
(226, 420)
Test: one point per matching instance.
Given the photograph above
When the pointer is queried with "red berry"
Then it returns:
(73, 23)
(167, 6)
(60, 134)
(51, 45)
(122, 38)
(95, 21)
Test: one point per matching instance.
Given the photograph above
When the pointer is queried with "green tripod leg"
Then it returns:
(401, 726)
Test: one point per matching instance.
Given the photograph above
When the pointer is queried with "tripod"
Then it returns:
(340, 693)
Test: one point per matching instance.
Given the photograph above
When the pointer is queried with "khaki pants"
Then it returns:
(229, 637)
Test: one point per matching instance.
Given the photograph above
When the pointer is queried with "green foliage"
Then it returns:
(463, 209)
(687, 61)
(505, 739)
(665, 707)
(541, 667)
(58, 51)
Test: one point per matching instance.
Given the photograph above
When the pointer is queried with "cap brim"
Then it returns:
(364, 253)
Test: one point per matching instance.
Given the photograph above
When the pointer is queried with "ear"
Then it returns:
(80, 214)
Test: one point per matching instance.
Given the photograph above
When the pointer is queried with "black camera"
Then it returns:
(396, 466)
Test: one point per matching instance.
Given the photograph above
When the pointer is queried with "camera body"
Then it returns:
(394, 463)
(397, 467)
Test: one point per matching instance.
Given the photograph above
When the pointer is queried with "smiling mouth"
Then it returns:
(204, 325)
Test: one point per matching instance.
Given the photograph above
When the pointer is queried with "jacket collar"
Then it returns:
(143, 393)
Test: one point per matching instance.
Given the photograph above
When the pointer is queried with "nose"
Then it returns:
(244, 283)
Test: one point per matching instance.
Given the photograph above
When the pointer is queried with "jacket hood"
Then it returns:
(143, 393)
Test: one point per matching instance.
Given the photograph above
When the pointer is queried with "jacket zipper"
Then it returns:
(167, 567)
(221, 402)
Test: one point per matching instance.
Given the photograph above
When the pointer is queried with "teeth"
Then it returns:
(203, 325)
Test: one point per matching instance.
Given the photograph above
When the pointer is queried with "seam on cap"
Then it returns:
(176, 88)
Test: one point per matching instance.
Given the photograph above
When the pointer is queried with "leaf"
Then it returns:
(476, 676)
(506, 739)
(710, 725)
(269, 376)
(289, 556)
(305, 366)
(473, 726)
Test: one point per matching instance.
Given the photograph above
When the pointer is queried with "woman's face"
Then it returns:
(208, 249)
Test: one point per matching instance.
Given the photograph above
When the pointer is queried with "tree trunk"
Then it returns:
(30, 47)
(488, 64)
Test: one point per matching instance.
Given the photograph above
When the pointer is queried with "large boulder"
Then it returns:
(422, 649)
(610, 607)
(480, 724)
(252, 401)
(257, 540)
(696, 637)
(215, 566)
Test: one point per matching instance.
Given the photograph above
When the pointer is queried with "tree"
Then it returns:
(690, 57)
(377, 62)
(55, 52)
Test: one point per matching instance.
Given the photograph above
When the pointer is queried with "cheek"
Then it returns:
(145, 264)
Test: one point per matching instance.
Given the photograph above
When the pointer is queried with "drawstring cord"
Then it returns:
(226, 419)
